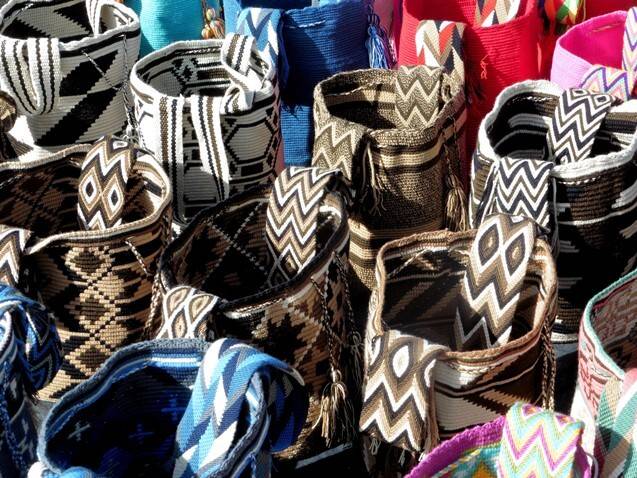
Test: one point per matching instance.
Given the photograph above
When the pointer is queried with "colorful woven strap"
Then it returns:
(264, 25)
(439, 44)
(186, 313)
(13, 242)
(492, 284)
(417, 96)
(575, 123)
(537, 442)
(245, 405)
(495, 12)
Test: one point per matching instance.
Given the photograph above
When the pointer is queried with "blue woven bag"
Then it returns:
(308, 44)
(175, 408)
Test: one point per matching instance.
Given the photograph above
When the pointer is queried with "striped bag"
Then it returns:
(209, 111)
(82, 232)
(398, 136)
(175, 408)
(458, 331)
(66, 64)
(606, 393)
(269, 266)
(566, 160)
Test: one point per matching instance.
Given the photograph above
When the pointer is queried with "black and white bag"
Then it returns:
(66, 64)
(209, 111)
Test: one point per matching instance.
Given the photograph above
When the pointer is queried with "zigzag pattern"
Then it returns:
(629, 50)
(493, 281)
(262, 24)
(439, 44)
(102, 184)
(604, 79)
(185, 314)
(538, 442)
(417, 93)
(577, 118)
(495, 12)
(12, 244)
(292, 216)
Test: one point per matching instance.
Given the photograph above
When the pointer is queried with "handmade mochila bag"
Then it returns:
(209, 111)
(30, 355)
(564, 158)
(599, 55)
(606, 393)
(308, 42)
(269, 266)
(398, 137)
(489, 45)
(82, 232)
(175, 408)
(458, 331)
(527, 441)
(66, 64)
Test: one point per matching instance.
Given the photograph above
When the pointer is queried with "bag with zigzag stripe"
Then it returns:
(566, 159)
(269, 266)
(458, 331)
(66, 64)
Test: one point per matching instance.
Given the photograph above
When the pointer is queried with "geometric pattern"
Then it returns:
(417, 93)
(263, 24)
(575, 123)
(13, 242)
(186, 314)
(102, 184)
(493, 282)
(439, 44)
(629, 49)
(495, 12)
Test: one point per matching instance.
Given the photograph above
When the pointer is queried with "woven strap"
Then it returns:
(489, 12)
(293, 215)
(439, 44)
(13, 243)
(619, 83)
(492, 284)
(94, 10)
(265, 25)
(31, 73)
(417, 101)
(187, 313)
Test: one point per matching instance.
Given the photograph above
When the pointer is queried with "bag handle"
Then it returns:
(13, 242)
(94, 10)
(32, 73)
(439, 44)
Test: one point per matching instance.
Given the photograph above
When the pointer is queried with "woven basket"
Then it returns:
(209, 111)
(400, 152)
(413, 402)
(70, 83)
(220, 278)
(91, 266)
(606, 394)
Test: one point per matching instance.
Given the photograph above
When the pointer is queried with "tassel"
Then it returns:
(456, 208)
(377, 43)
(356, 349)
(336, 411)
(373, 187)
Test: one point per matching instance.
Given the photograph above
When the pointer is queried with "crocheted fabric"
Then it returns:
(218, 414)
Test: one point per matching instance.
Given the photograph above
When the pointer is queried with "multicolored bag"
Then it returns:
(458, 331)
(66, 64)
(175, 408)
(209, 111)
(30, 355)
(528, 441)
(606, 393)
(398, 137)
(578, 188)
(82, 232)
(269, 266)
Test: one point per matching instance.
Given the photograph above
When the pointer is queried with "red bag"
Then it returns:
(595, 8)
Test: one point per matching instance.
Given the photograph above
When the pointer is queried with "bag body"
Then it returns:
(209, 111)
(227, 275)
(398, 137)
(307, 44)
(83, 231)
(70, 81)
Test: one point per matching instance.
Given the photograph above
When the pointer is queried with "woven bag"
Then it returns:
(528, 440)
(579, 189)
(458, 331)
(308, 44)
(606, 393)
(175, 408)
(489, 58)
(66, 64)
(30, 355)
(269, 266)
(82, 232)
(398, 136)
(209, 110)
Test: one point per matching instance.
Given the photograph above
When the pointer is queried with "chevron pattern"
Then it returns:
(397, 406)
(537, 442)
(292, 217)
(102, 184)
(13, 241)
(417, 94)
(439, 44)
(493, 281)
(262, 24)
(495, 12)
(629, 48)
(577, 118)
(604, 79)
(186, 313)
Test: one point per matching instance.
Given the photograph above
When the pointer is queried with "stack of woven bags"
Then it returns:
(253, 238)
